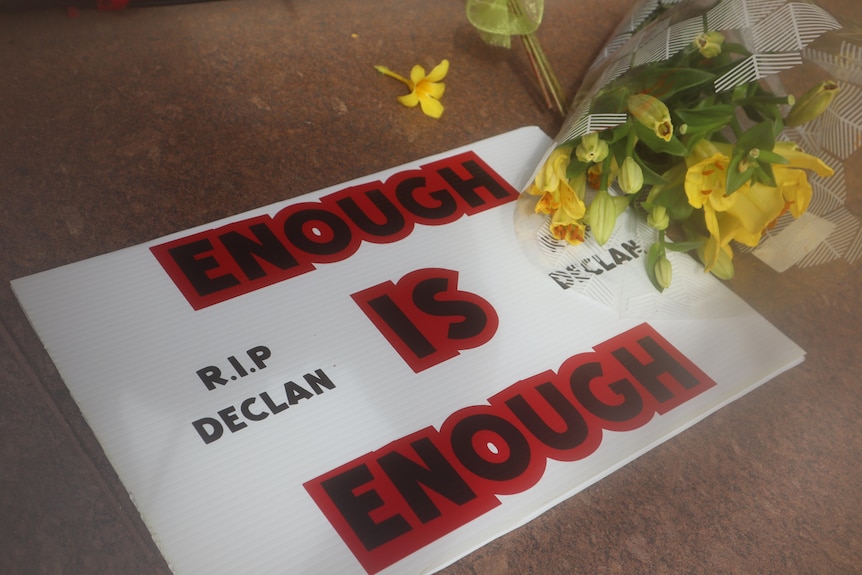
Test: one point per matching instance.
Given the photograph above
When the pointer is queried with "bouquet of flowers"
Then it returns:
(684, 119)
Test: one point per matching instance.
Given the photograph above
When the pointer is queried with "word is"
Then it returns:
(426, 318)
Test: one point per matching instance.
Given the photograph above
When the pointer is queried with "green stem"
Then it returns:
(606, 170)
(631, 140)
(387, 72)
(548, 82)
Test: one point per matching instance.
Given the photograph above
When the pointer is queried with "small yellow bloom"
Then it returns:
(652, 113)
(709, 44)
(564, 228)
(553, 172)
(812, 104)
(592, 148)
(424, 90)
(562, 198)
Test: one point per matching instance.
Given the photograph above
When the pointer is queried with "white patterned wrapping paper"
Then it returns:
(787, 40)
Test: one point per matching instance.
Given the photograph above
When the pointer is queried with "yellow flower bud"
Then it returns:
(631, 176)
(812, 104)
(602, 216)
(722, 268)
(658, 218)
(663, 272)
(709, 44)
(652, 113)
(592, 148)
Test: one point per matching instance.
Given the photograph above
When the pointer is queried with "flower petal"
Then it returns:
(417, 74)
(439, 71)
(433, 90)
(799, 159)
(795, 189)
(431, 107)
(409, 100)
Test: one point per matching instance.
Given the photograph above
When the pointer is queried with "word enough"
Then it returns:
(389, 503)
(215, 265)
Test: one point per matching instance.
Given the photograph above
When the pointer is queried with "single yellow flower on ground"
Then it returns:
(425, 90)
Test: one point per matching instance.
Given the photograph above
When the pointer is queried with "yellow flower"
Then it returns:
(424, 90)
(592, 148)
(558, 193)
(652, 113)
(746, 214)
(705, 188)
(709, 44)
(568, 229)
(561, 197)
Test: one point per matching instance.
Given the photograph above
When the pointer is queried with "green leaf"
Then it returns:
(576, 168)
(760, 136)
(663, 83)
(739, 93)
(686, 246)
(777, 129)
(680, 210)
(708, 119)
(771, 157)
(611, 99)
(731, 47)
(619, 133)
(735, 178)
(651, 177)
(763, 173)
(691, 140)
(673, 198)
